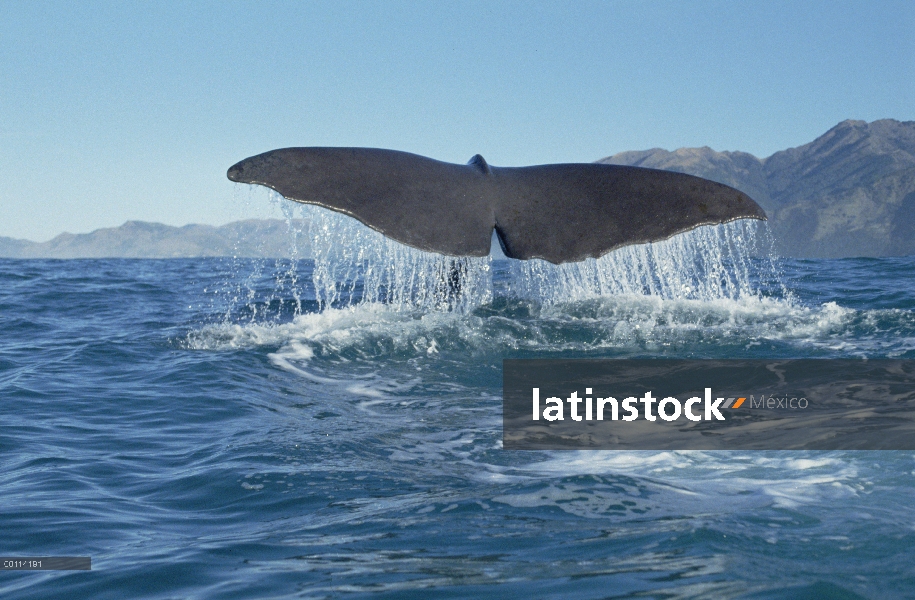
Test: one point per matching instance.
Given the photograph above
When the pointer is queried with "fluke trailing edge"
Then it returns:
(560, 213)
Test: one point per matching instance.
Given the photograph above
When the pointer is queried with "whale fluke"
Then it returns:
(560, 213)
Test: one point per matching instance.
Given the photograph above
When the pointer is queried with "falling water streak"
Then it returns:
(354, 264)
(246, 300)
(291, 273)
(244, 196)
(707, 263)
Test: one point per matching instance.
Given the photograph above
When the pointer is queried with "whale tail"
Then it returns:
(559, 213)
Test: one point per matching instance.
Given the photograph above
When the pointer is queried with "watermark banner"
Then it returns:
(658, 404)
(45, 563)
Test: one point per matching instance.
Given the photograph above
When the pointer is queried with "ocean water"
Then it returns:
(331, 427)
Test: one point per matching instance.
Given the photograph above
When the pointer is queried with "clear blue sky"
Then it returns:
(134, 110)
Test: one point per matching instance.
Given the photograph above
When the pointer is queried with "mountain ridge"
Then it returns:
(254, 238)
(849, 192)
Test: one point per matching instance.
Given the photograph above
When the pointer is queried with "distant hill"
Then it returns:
(850, 192)
(137, 239)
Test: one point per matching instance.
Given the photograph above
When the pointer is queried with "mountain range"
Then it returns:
(265, 238)
(850, 192)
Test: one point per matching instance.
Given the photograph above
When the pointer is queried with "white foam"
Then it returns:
(373, 331)
(781, 480)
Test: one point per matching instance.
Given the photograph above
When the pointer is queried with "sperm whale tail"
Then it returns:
(559, 213)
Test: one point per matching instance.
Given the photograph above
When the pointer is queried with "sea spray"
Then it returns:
(360, 293)
(291, 273)
(730, 261)
(265, 290)
(706, 263)
(354, 265)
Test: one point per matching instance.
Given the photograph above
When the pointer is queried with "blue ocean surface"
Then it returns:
(229, 428)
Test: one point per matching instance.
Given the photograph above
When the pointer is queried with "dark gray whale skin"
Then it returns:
(559, 213)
